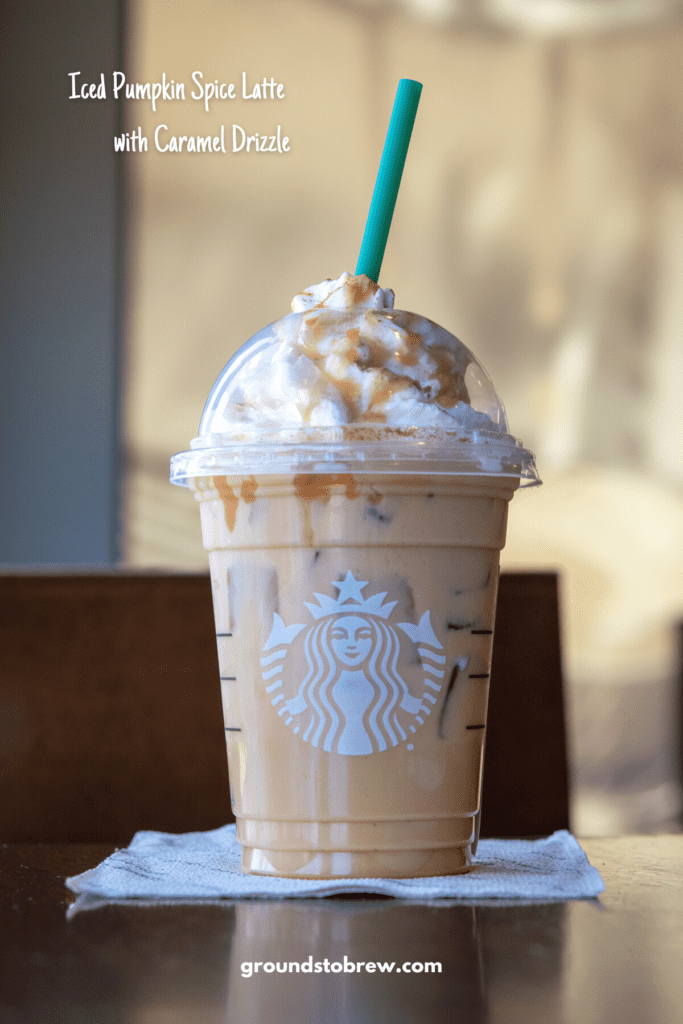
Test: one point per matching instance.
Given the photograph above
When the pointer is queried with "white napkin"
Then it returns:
(207, 864)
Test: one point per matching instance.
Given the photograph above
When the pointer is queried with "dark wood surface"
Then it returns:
(111, 721)
(526, 784)
(113, 718)
(616, 959)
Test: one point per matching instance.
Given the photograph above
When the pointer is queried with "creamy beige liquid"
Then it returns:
(354, 619)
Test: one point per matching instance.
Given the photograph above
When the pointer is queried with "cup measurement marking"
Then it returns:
(479, 675)
(459, 665)
(227, 679)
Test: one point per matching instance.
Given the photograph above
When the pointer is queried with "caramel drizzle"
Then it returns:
(358, 290)
(310, 487)
(452, 387)
(318, 486)
(231, 500)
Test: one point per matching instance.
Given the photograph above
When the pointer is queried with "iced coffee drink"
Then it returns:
(353, 471)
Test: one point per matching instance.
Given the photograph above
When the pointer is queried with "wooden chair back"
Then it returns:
(111, 721)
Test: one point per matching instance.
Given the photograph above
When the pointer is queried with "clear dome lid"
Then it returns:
(273, 411)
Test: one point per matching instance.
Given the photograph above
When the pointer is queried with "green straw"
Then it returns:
(389, 178)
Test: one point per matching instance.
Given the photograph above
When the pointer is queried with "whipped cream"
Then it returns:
(349, 357)
(343, 293)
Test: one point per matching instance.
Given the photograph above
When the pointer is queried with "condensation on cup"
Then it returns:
(353, 470)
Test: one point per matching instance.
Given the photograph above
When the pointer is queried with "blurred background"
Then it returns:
(540, 219)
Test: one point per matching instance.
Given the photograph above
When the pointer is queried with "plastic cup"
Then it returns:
(354, 573)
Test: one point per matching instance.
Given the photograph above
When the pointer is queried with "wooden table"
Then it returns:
(616, 959)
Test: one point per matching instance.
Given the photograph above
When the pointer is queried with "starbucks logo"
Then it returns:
(353, 698)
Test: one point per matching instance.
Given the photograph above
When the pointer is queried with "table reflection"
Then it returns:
(180, 961)
(601, 961)
(350, 933)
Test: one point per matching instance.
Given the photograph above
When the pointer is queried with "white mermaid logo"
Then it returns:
(352, 700)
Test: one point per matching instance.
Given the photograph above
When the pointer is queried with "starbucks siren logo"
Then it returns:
(352, 699)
